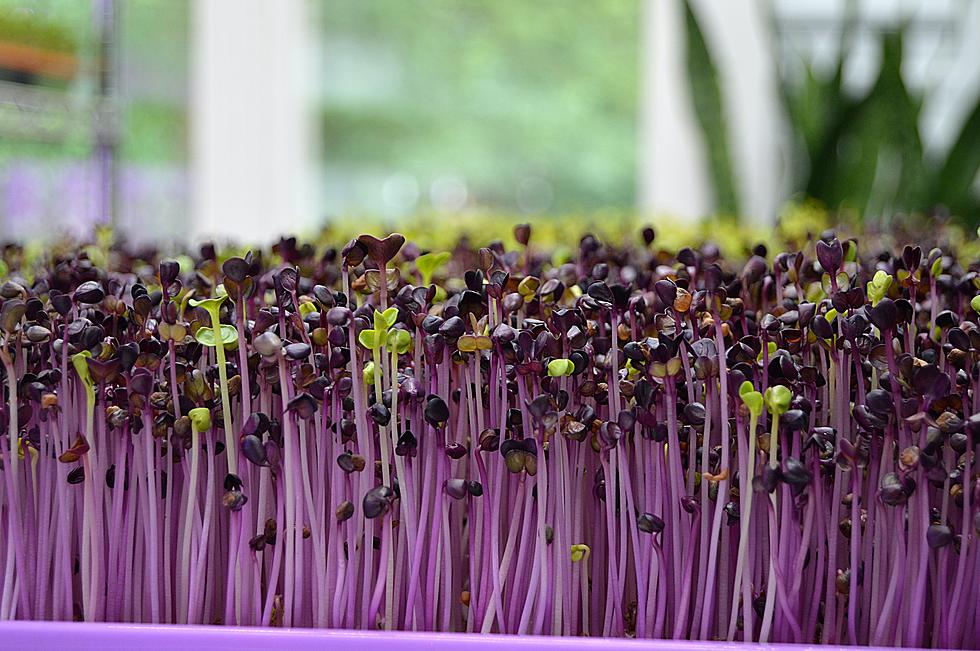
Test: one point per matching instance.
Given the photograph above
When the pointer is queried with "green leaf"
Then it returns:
(368, 373)
(871, 159)
(812, 106)
(975, 304)
(815, 293)
(751, 397)
(399, 341)
(745, 387)
(772, 348)
(560, 367)
(708, 106)
(753, 400)
(81, 367)
(205, 336)
(209, 304)
(778, 399)
(428, 263)
(390, 316)
(368, 339)
(954, 183)
(878, 286)
(200, 418)
(384, 320)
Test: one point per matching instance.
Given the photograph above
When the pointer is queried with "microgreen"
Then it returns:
(428, 263)
(603, 440)
(561, 367)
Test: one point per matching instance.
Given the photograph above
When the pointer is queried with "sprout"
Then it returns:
(429, 263)
(560, 367)
(778, 399)
(344, 511)
(200, 419)
(436, 411)
(938, 536)
(377, 502)
(623, 441)
(649, 523)
(878, 286)
(89, 292)
(753, 399)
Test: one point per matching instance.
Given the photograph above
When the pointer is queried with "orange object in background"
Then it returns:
(36, 61)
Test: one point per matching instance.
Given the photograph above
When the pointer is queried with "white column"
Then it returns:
(743, 48)
(253, 129)
(673, 170)
(674, 175)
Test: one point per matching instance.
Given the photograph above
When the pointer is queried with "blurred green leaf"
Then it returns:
(871, 159)
(706, 94)
(428, 263)
(813, 106)
(865, 154)
(493, 91)
(954, 184)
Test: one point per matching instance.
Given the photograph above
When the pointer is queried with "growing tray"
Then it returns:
(66, 635)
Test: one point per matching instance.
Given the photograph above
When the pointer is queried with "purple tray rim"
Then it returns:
(73, 635)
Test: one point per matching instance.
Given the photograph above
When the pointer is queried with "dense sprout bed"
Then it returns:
(634, 442)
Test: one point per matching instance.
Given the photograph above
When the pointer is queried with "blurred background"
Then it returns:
(245, 119)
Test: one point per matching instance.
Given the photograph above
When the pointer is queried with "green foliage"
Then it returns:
(937, 263)
(955, 180)
(494, 91)
(858, 154)
(36, 28)
(771, 349)
(369, 339)
(864, 155)
(212, 305)
(386, 319)
(871, 158)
